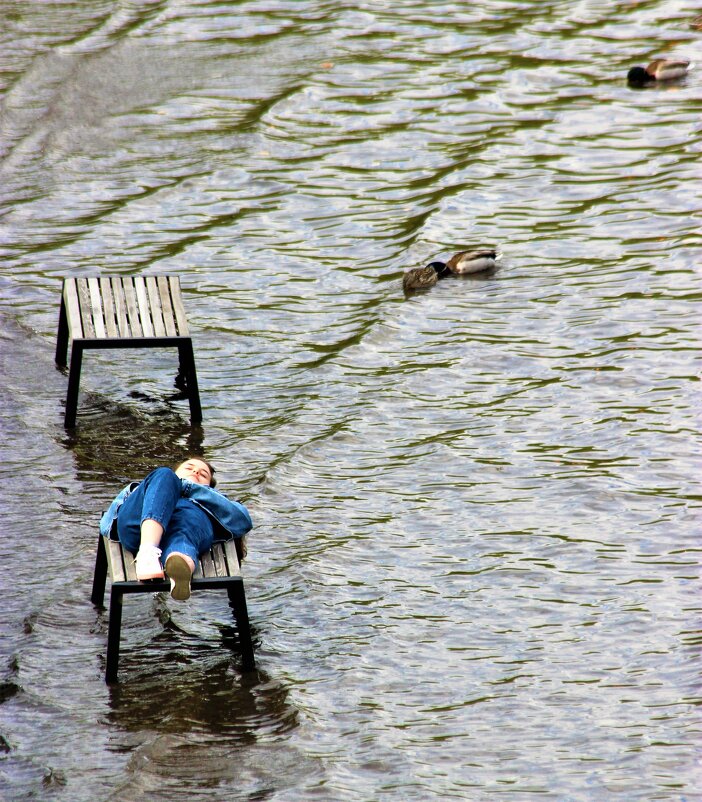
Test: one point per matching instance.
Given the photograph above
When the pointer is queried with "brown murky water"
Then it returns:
(475, 569)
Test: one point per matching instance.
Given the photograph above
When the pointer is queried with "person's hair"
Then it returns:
(213, 481)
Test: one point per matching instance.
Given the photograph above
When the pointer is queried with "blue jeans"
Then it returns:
(186, 527)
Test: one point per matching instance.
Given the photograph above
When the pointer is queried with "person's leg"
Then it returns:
(188, 535)
(143, 517)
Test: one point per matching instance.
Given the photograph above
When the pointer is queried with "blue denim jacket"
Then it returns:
(230, 518)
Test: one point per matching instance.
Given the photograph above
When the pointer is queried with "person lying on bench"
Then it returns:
(176, 513)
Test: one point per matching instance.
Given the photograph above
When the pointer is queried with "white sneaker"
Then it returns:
(148, 565)
(180, 573)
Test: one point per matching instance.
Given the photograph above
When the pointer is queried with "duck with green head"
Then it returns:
(662, 69)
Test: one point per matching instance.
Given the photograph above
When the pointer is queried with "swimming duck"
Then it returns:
(472, 261)
(662, 69)
(421, 278)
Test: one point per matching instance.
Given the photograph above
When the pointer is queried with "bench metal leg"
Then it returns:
(187, 369)
(113, 634)
(100, 575)
(69, 420)
(62, 336)
(237, 601)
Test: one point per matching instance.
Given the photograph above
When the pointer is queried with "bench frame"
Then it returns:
(124, 312)
(219, 569)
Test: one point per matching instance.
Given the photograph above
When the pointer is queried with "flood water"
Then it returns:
(475, 567)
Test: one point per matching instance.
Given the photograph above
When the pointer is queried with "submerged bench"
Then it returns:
(124, 312)
(219, 569)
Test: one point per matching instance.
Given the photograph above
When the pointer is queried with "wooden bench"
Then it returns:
(219, 569)
(124, 312)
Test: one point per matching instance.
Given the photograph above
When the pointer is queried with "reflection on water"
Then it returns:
(474, 571)
(176, 765)
(137, 439)
(177, 690)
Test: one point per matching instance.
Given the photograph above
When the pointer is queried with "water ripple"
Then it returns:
(473, 572)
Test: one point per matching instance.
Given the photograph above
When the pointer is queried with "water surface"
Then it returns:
(475, 569)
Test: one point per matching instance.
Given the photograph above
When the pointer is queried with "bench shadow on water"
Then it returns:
(193, 688)
(185, 712)
(103, 443)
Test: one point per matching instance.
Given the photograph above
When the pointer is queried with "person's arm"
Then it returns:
(232, 515)
(109, 516)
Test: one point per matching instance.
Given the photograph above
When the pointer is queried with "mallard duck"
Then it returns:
(421, 278)
(472, 261)
(662, 69)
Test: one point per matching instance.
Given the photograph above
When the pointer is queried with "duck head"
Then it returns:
(441, 269)
(637, 76)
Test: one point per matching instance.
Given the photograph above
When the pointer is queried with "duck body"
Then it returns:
(472, 261)
(662, 69)
(421, 278)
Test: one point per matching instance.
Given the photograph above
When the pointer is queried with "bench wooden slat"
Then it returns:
(96, 305)
(178, 307)
(232, 556)
(132, 307)
(208, 569)
(155, 306)
(120, 307)
(166, 306)
(109, 306)
(129, 565)
(220, 563)
(85, 307)
(114, 560)
(143, 306)
(70, 297)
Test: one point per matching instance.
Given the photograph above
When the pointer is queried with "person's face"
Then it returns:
(194, 470)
